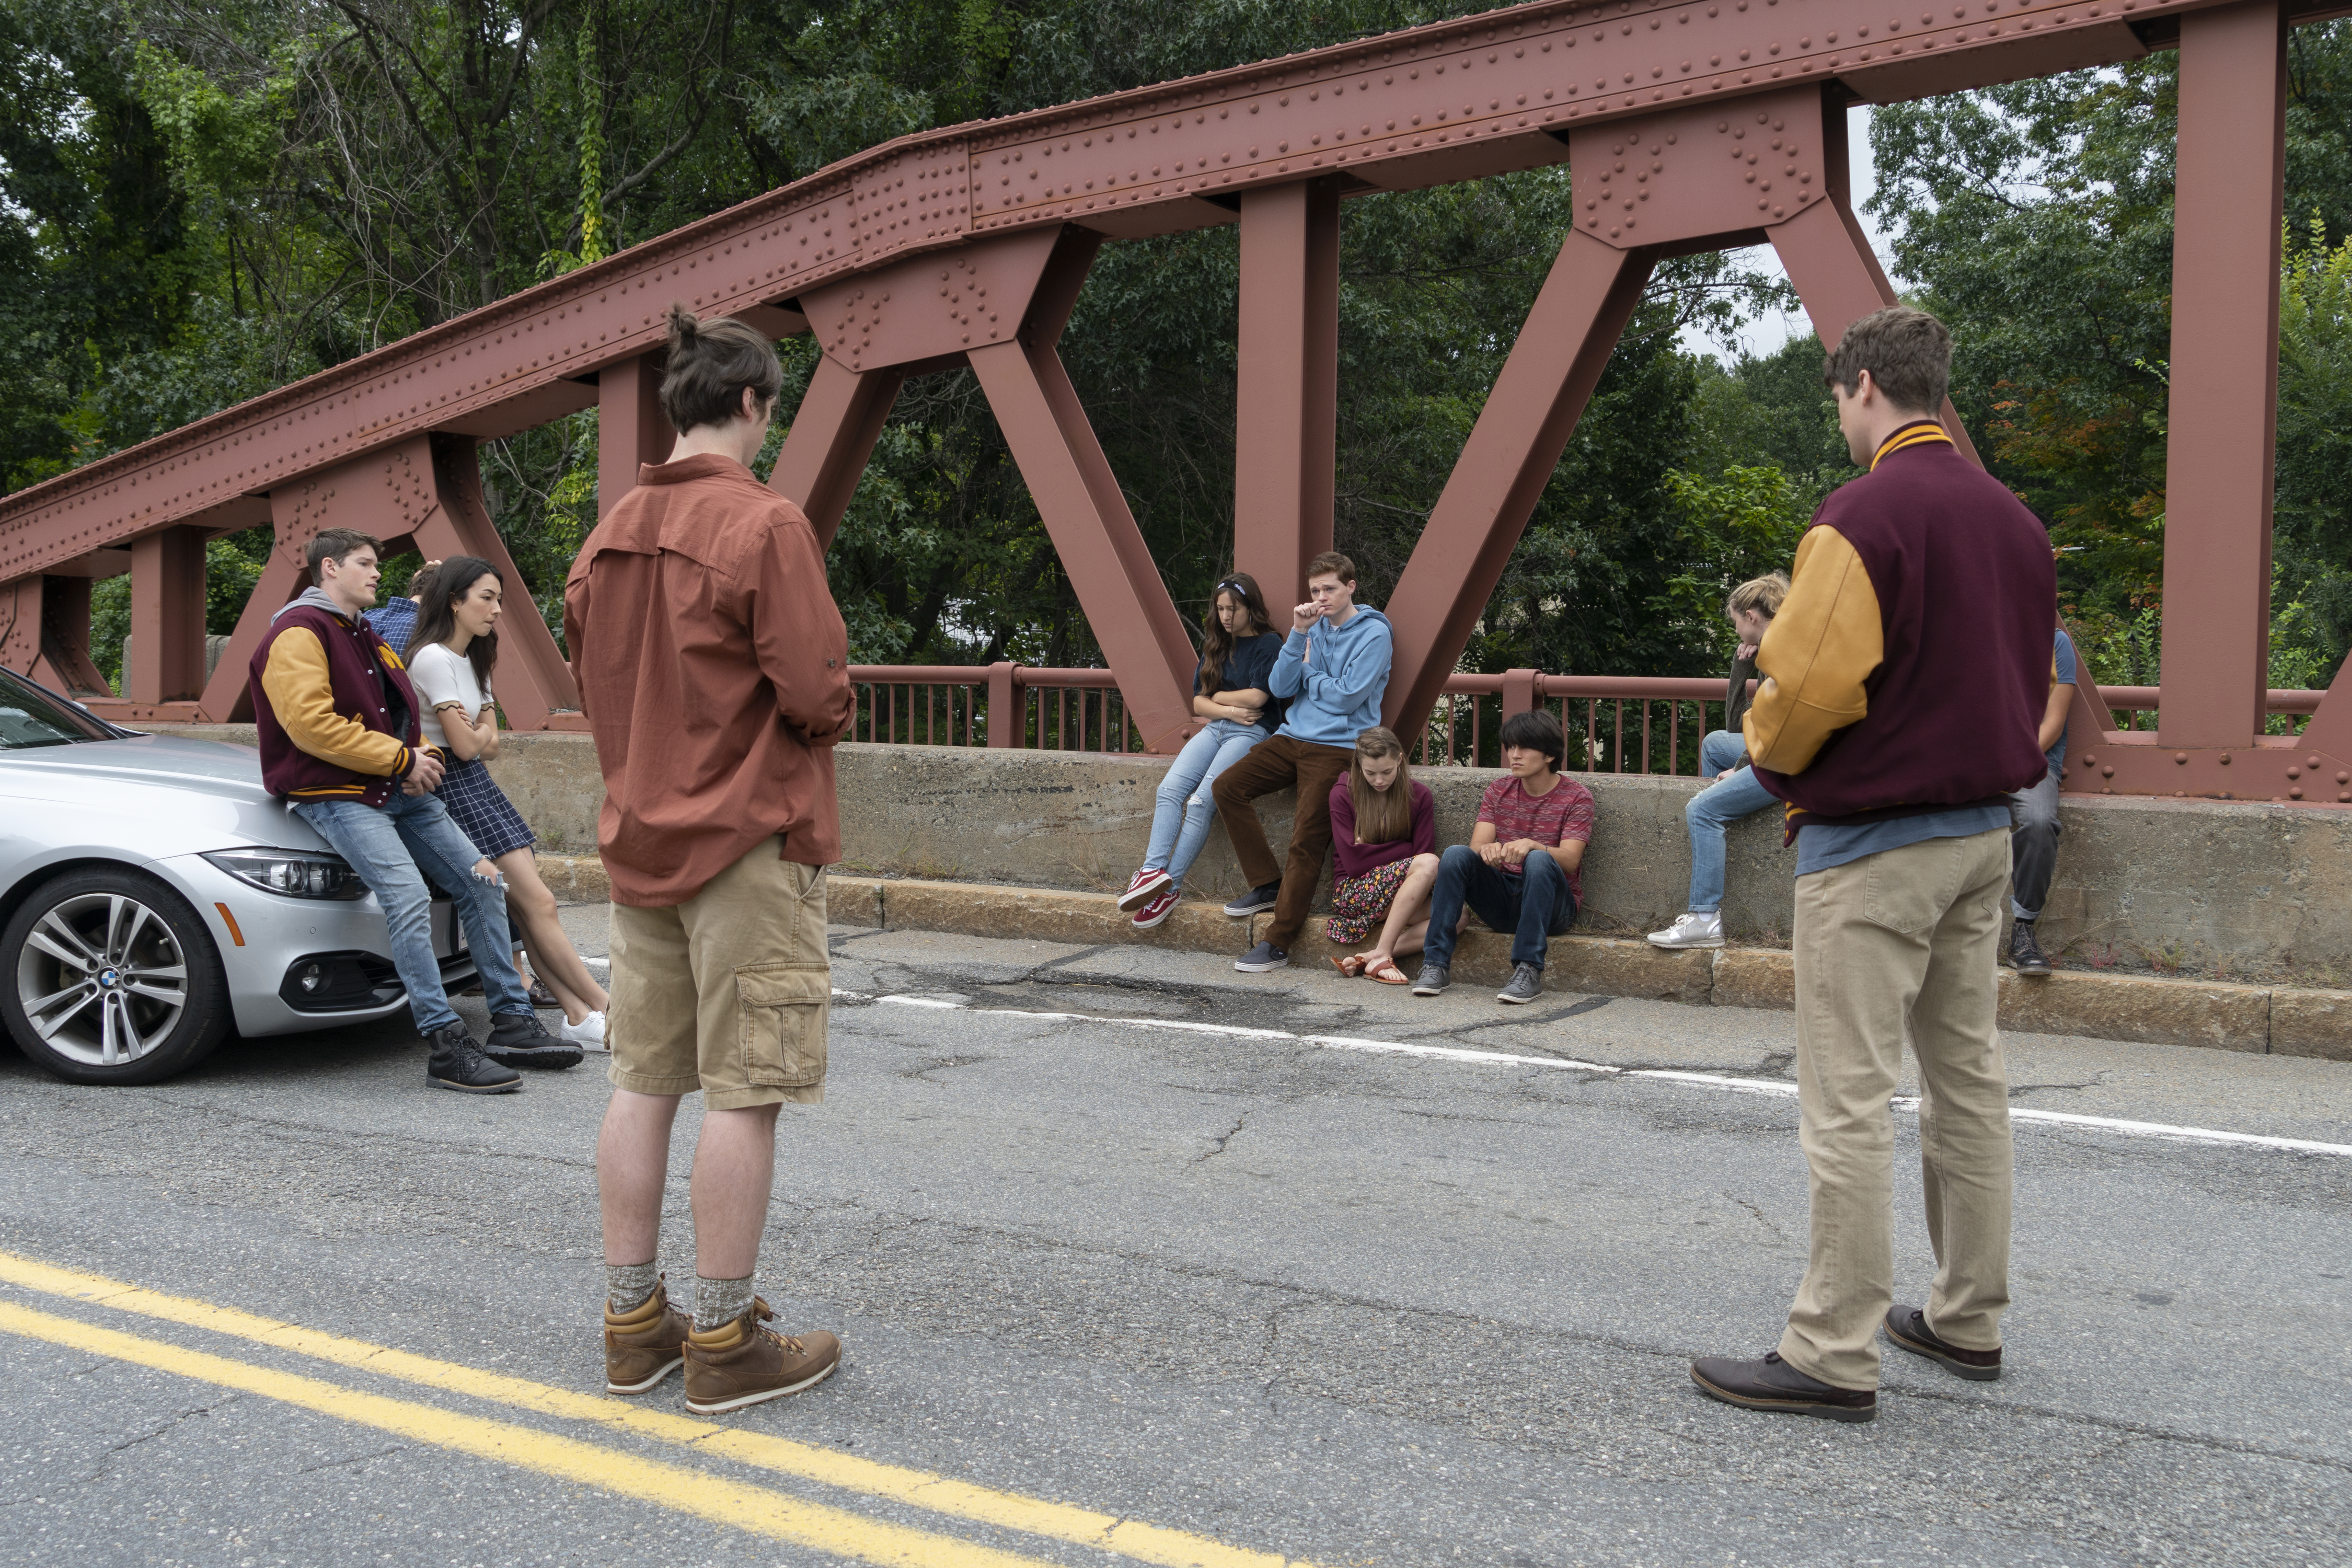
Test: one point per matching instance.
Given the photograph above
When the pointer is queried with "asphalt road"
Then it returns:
(1255, 1281)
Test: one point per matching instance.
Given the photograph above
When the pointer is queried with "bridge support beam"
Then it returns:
(167, 616)
(2229, 195)
(1505, 465)
(425, 492)
(1117, 583)
(1288, 397)
(832, 439)
(1837, 275)
(631, 427)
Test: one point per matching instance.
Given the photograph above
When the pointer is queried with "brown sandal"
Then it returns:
(1385, 971)
(1349, 965)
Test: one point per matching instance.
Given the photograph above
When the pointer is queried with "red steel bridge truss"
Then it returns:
(1687, 126)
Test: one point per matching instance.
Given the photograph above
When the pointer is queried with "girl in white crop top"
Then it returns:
(450, 656)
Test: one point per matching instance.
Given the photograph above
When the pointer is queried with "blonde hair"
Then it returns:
(1381, 816)
(1766, 594)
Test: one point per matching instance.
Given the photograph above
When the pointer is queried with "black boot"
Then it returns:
(457, 1063)
(2024, 952)
(520, 1040)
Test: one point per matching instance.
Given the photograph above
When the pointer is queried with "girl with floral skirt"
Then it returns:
(1384, 843)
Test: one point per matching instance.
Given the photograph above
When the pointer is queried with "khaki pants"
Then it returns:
(729, 992)
(1907, 936)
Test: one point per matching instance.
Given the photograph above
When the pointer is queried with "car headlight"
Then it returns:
(293, 873)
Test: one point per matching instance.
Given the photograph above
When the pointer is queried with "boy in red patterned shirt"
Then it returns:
(1520, 871)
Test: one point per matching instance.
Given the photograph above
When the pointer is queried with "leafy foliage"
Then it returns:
(205, 201)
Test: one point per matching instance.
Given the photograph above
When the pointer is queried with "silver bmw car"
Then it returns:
(153, 896)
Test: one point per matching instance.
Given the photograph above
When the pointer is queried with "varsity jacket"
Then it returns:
(338, 717)
(1908, 670)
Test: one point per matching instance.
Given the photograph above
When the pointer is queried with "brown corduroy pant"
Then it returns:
(1907, 936)
(1277, 762)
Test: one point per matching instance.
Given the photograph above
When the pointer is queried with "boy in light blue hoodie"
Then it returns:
(1333, 671)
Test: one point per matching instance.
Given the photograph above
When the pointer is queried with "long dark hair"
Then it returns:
(436, 618)
(1216, 643)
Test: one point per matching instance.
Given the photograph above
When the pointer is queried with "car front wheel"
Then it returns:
(108, 976)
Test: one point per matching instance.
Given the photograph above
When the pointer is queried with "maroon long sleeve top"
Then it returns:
(1353, 859)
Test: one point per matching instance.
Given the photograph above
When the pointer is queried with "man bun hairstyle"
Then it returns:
(711, 364)
(1331, 560)
(1536, 731)
(1907, 353)
(336, 544)
(1767, 593)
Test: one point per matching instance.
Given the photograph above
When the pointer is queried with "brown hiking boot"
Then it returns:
(643, 1345)
(741, 1364)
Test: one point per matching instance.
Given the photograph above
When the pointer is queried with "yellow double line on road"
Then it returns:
(749, 1507)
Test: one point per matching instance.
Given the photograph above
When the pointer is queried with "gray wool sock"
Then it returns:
(628, 1286)
(719, 1302)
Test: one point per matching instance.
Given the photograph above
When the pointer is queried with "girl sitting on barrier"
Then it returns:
(1229, 688)
(452, 653)
(1384, 843)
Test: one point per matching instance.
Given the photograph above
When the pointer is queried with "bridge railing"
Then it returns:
(2133, 706)
(1614, 723)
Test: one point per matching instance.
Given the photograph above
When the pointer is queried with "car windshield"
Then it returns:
(31, 716)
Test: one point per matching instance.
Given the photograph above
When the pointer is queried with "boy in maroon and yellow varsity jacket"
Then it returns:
(339, 741)
(1906, 678)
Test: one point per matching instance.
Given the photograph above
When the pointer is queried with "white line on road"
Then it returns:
(1724, 1081)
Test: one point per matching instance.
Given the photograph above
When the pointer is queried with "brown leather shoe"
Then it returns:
(1907, 1327)
(741, 1364)
(643, 1345)
(1773, 1384)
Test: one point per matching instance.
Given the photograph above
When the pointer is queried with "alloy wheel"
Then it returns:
(102, 978)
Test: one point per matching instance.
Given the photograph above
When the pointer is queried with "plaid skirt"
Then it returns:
(481, 810)
(1359, 903)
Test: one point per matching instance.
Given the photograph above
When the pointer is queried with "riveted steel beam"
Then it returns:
(1452, 101)
(1287, 393)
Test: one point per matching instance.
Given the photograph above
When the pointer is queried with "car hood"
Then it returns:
(150, 797)
(173, 761)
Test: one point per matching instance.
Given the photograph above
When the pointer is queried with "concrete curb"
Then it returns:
(2262, 1020)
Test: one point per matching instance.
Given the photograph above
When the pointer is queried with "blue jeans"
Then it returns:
(1180, 823)
(1730, 797)
(1536, 904)
(394, 848)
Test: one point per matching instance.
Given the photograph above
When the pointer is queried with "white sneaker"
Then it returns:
(1692, 931)
(589, 1031)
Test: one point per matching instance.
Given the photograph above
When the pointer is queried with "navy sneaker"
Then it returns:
(1261, 958)
(1257, 901)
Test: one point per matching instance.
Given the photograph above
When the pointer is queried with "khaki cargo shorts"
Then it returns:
(729, 992)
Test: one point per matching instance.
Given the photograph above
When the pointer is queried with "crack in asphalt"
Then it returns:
(107, 1458)
(1219, 1143)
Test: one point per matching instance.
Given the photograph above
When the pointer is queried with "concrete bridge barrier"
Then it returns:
(2186, 922)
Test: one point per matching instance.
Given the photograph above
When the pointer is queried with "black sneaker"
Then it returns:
(457, 1063)
(1526, 985)
(1434, 978)
(1261, 958)
(1257, 901)
(2024, 952)
(520, 1040)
